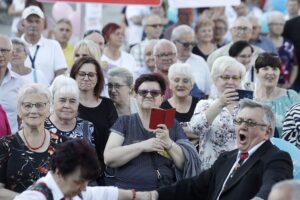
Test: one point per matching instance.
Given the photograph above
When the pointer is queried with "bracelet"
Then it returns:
(133, 194)
(170, 147)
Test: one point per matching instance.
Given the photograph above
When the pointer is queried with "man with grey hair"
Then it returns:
(165, 54)
(153, 27)
(285, 190)
(183, 37)
(248, 172)
(45, 54)
(10, 83)
(241, 30)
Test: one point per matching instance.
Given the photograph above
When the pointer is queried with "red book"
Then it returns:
(161, 116)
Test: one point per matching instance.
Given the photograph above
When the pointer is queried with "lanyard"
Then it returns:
(32, 59)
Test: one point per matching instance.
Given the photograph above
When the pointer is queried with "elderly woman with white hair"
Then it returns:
(119, 85)
(64, 121)
(181, 83)
(285, 49)
(213, 118)
(25, 155)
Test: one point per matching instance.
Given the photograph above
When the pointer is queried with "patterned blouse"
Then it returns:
(19, 166)
(83, 129)
(216, 138)
(291, 126)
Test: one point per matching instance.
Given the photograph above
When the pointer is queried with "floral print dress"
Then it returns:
(214, 138)
(19, 166)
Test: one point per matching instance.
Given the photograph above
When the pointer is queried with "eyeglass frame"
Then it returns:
(244, 29)
(227, 78)
(155, 25)
(159, 92)
(186, 44)
(90, 77)
(35, 105)
(5, 51)
(165, 55)
(110, 86)
(249, 123)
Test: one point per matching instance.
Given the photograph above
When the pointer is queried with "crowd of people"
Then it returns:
(74, 118)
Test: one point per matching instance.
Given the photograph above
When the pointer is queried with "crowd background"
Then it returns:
(104, 81)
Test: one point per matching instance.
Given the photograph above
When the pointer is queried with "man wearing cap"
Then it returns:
(45, 54)
(249, 172)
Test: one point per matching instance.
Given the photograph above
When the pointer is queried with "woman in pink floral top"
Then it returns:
(213, 118)
(25, 156)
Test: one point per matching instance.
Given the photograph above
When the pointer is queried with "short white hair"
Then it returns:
(33, 88)
(242, 19)
(163, 42)
(223, 63)
(121, 72)
(64, 86)
(273, 16)
(147, 18)
(180, 31)
(181, 69)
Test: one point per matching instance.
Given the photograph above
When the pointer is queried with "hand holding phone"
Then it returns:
(248, 94)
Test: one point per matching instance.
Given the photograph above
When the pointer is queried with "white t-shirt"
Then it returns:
(200, 70)
(91, 193)
(40, 77)
(125, 60)
(49, 58)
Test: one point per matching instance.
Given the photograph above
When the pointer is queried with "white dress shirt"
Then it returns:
(91, 193)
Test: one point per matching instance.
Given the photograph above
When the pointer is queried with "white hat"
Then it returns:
(33, 10)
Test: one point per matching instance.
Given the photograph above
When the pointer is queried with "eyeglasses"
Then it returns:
(186, 44)
(248, 123)
(166, 55)
(90, 75)
(4, 51)
(40, 106)
(227, 78)
(244, 29)
(116, 86)
(155, 25)
(276, 24)
(89, 32)
(153, 93)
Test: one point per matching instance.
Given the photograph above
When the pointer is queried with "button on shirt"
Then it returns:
(49, 58)
(91, 193)
(9, 89)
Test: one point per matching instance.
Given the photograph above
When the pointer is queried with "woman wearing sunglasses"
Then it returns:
(141, 155)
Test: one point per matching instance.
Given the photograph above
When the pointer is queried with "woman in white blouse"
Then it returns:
(213, 118)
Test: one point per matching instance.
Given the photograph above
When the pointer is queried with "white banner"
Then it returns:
(202, 3)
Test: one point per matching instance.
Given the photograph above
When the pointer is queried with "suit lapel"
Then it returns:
(247, 165)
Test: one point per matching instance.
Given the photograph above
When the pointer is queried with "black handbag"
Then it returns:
(162, 180)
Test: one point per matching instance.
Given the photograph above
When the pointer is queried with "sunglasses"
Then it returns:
(155, 25)
(89, 32)
(186, 44)
(153, 93)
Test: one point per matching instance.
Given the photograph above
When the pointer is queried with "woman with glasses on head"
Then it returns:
(213, 118)
(99, 110)
(267, 68)
(64, 121)
(119, 85)
(204, 31)
(25, 155)
(242, 51)
(136, 151)
(285, 49)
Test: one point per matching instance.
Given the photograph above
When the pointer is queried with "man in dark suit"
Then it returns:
(235, 178)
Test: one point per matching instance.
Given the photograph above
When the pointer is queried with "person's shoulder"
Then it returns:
(107, 101)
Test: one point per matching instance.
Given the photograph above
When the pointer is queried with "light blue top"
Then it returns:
(281, 105)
